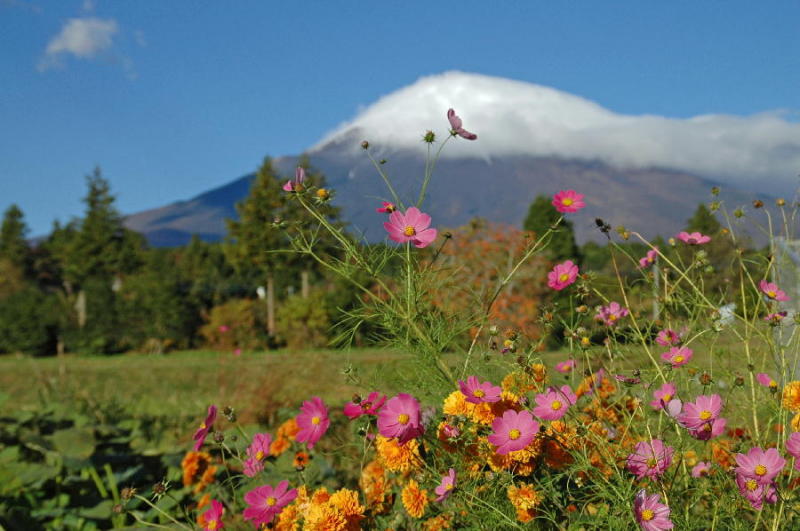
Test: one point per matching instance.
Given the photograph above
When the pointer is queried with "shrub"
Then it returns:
(27, 323)
(303, 323)
(236, 324)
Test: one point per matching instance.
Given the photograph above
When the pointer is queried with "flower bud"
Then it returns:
(738, 381)
(429, 137)
(738, 212)
(705, 379)
(365, 144)
(127, 493)
(715, 190)
(757, 203)
(780, 201)
(219, 437)
(323, 194)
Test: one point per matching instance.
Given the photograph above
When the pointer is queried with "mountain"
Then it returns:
(647, 173)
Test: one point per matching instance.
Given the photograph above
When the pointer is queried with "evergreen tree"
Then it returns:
(541, 216)
(13, 244)
(703, 221)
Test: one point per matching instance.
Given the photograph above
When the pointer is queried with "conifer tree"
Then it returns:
(13, 244)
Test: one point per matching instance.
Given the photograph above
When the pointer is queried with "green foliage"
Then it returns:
(237, 323)
(13, 243)
(304, 322)
(103, 331)
(28, 322)
(542, 215)
(703, 221)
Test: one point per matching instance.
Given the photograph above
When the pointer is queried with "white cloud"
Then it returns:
(84, 38)
(519, 118)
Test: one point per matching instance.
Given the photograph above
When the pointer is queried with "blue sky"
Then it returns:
(173, 98)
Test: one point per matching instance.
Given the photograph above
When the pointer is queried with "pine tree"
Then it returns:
(13, 244)
(541, 216)
(703, 221)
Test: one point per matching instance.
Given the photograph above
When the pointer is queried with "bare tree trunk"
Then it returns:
(271, 305)
(304, 289)
(80, 308)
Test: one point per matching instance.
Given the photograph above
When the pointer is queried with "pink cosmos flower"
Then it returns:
(223, 328)
(562, 275)
(400, 418)
(477, 392)
(369, 406)
(650, 514)
(256, 453)
(760, 465)
(765, 380)
(648, 259)
(628, 380)
(266, 502)
(568, 201)
(771, 290)
(677, 356)
(410, 227)
(701, 469)
(456, 126)
(710, 430)
(663, 395)
(674, 408)
(565, 366)
(212, 518)
(201, 433)
(668, 338)
(513, 431)
(237, 352)
(297, 184)
(695, 238)
(446, 486)
(650, 459)
(450, 431)
(776, 317)
(554, 404)
(793, 447)
(313, 421)
(387, 208)
(704, 410)
(611, 314)
(754, 492)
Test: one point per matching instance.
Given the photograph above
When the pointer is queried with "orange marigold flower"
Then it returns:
(324, 517)
(415, 500)
(373, 484)
(721, 453)
(524, 496)
(301, 460)
(526, 515)
(279, 445)
(456, 404)
(398, 457)
(518, 383)
(436, 523)
(690, 457)
(197, 470)
(791, 396)
(288, 519)
(795, 423)
(539, 372)
(320, 496)
(288, 429)
(346, 501)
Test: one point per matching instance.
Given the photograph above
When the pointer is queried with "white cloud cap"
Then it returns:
(518, 118)
(82, 37)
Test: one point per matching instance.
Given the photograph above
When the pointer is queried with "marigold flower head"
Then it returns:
(398, 457)
(198, 470)
(523, 496)
(373, 484)
(791, 396)
(324, 517)
(415, 500)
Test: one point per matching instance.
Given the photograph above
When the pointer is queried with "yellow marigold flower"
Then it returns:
(414, 499)
(690, 457)
(539, 372)
(324, 517)
(320, 496)
(791, 396)
(373, 484)
(518, 383)
(437, 523)
(288, 519)
(347, 502)
(483, 413)
(288, 429)
(523, 497)
(456, 404)
(398, 457)
(795, 423)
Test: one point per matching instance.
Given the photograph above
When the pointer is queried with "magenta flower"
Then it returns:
(650, 459)
(695, 238)
(793, 447)
(668, 338)
(663, 395)
(387, 208)
(565, 366)
(562, 275)
(704, 410)
(568, 201)
(266, 502)
(212, 518)
(650, 514)
(701, 469)
(410, 227)
(554, 404)
(477, 392)
(677, 356)
(456, 126)
(446, 486)
(710, 430)
(369, 406)
(223, 328)
(513, 431)
(771, 290)
(766, 380)
(297, 184)
(313, 421)
(754, 492)
(776, 317)
(611, 314)
(400, 418)
(256, 453)
(760, 465)
(648, 259)
(450, 431)
(201, 433)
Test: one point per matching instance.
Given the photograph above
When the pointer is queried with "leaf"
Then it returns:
(101, 511)
(75, 443)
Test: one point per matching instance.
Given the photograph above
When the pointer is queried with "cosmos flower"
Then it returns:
(400, 418)
(456, 126)
(266, 501)
(369, 406)
(477, 392)
(513, 431)
(212, 518)
(760, 465)
(446, 486)
(766, 380)
(313, 421)
(663, 395)
(554, 404)
(413, 226)
(793, 447)
(565, 366)
(297, 184)
(650, 514)
(770, 289)
(694, 238)
(704, 410)
(611, 314)
(256, 453)
(201, 433)
(668, 338)
(562, 275)
(387, 208)
(701, 469)
(649, 459)
(709, 430)
(568, 201)
(677, 356)
(754, 492)
(648, 259)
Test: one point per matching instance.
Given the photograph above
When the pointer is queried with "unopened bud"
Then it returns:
(705, 379)
(715, 190)
(118, 508)
(219, 437)
(582, 308)
(127, 493)
(780, 201)
(738, 212)
(758, 203)
(738, 381)
(365, 145)
(323, 194)
(429, 137)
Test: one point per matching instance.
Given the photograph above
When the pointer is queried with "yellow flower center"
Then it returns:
(705, 415)
(567, 201)
(478, 393)
(613, 317)
(556, 405)
(203, 426)
(271, 501)
(751, 484)
(315, 420)
(402, 418)
(259, 455)
(773, 383)
(667, 397)
(760, 470)
(772, 294)
(564, 277)
(212, 525)
(410, 231)
(678, 359)
(322, 193)
(585, 341)
(648, 515)
(652, 462)
(449, 486)
(514, 434)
